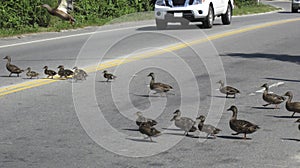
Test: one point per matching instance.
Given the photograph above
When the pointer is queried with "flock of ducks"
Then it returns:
(76, 73)
(146, 125)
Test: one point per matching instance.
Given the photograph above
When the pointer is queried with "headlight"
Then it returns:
(160, 2)
(196, 2)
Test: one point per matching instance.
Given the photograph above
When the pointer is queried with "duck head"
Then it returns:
(289, 94)
(151, 74)
(60, 66)
(105, 71)
(232, 108)
(7, 57)
(75, 68)
(201, 118)
(28, 69)
(45, 67)
(265, 85)
(177, 113)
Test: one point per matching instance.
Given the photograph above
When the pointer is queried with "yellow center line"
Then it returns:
(119, 61)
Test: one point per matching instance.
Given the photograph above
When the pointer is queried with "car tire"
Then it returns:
(161, 24)
(209, 20)
(226, 18)
(294, 10)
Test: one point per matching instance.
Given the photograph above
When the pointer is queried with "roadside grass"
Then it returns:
(58, 25)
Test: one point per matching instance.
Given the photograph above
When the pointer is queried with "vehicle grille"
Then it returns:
(177, 3)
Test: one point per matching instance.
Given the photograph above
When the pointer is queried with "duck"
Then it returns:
(241, 126)
(13, 69)
(228, 90)
(60, 11)
(108, 76)
(158, 87)
(271, 98)
(79, 74)
(31, 73)
(209, 129)
(298, 121)
(292, 106)
(49, 72)
(147, 129)
(64, 72)
(141, 119)
(184, 123)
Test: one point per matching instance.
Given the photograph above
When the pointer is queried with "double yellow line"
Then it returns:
(119, 61)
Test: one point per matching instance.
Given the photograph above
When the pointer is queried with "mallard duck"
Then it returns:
(209, 129)
(292, 106)
(60, 11)
(49, 72)
(79, 74)
(228, 90)
(184, 123)
(13, 69)
(271, 98)
(31, 74)
(241, 126)
(298, 121)
(158, 87)
(141, 119)
(147, 129)
(64, 72)
(108, 76)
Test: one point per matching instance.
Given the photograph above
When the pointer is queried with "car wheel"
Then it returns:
(294, 10)
(209, 20)
(226, 18)
(161, 24)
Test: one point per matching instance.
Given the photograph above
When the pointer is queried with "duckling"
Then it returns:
(271, 98)
(209, 129)
(80, 72)
(13, 69)
(241, 126)
(60, 11)
(298, 121)
(292, 106)
(31, 74)
(49, 72)
(141, 119)
(147, 129)
(228, 90)
(184, 123)
(158, 87)
(108, 76)
(64, 72)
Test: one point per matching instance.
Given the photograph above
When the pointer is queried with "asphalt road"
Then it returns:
(60, 123)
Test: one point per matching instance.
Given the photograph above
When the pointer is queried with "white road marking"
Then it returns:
(69, 36)
(263, 89)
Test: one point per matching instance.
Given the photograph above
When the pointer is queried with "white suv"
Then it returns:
(185, 11)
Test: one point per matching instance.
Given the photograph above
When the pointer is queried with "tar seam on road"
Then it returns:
(5, 90)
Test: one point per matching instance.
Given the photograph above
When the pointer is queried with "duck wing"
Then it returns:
(210, 129)
(62, 6)
(231, 90)
(186, 124)
(273, 98)
(243, 126)
(13, 68)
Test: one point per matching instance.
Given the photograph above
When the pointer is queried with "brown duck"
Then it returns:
(60, 11)
(228, 90)
(62, 72)
(292, 106)
(141, 119)
(13, 69)
(79, 74)
(49, 72)
(271, 98)
(108, 76)
(241, 126)
(147, 129)
(31, 73)
(158, 87)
